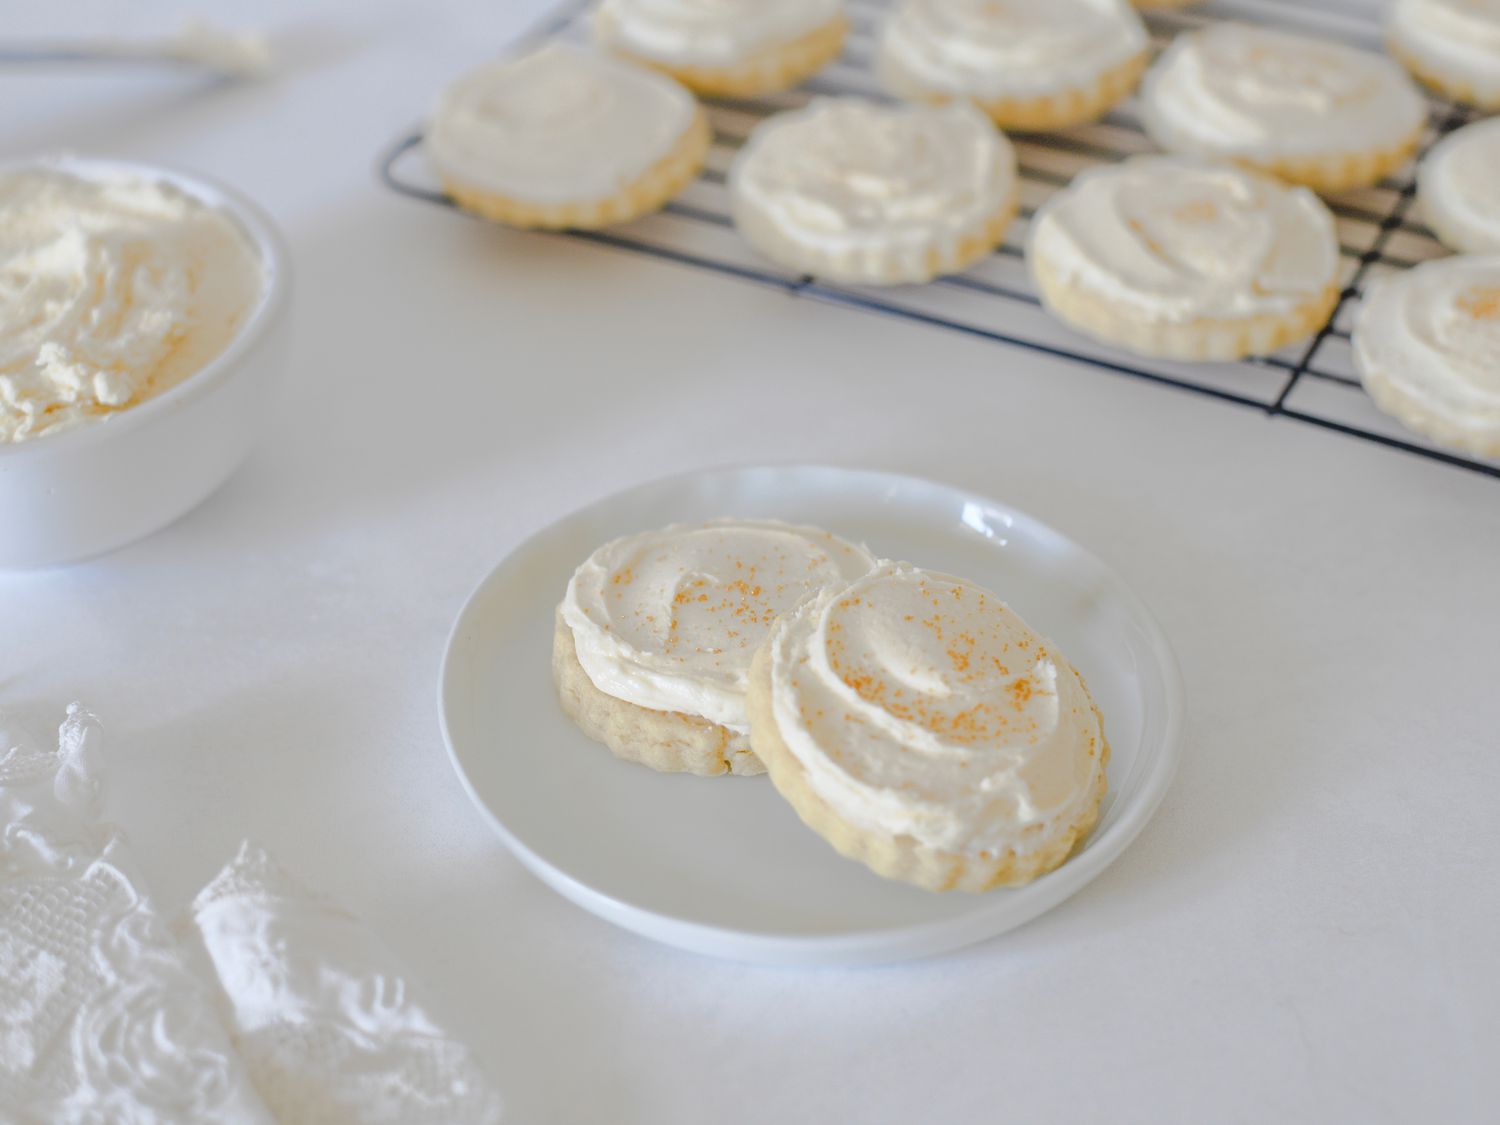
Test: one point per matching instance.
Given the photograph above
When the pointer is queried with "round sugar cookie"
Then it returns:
(725, 48)
(566, 137)
(653, 640)
(1028, 64)
(1427, 347)
(1312, 112)
(1172, 257)
(852, 191)
(1458, 188)
(1453, 46)
(917, 724)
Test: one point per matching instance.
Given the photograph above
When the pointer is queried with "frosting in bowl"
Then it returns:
(845, 178)
(1432, 333)
(921, 705)
(112, 290)
(669, 619)
(1009, 48)
(1176, 240)
(1459, 188)
(561, 124)
(1235, 90)
(707, 32)
(1458, 40)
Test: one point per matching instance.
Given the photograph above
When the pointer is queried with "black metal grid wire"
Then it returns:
(1312, 382)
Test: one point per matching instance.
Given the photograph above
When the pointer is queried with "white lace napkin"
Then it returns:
(101, 1017)
(330, 1027)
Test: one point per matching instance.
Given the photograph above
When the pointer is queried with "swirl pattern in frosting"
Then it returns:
(707, 32)
(1431, 334)
(1459, 188)
(849, 180)
(561, 124)
(920, 704)
(1253, 92)
(1457, 41)
(669, 619)
(111, 292)
(1175, 240)
(1007, 48)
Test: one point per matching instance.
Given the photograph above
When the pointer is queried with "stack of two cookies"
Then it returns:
(911, 718)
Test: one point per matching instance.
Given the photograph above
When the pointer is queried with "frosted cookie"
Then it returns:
(1427, 345)
(1029, 64)
(652, 646)
(1309, 111)
(868, 194)
(1458, 188)
(1171, 257)
(725, 48)
(917, 724)
(565, 137)
(1451, 45)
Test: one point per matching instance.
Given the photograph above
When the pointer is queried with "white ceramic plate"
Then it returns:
(721, 865)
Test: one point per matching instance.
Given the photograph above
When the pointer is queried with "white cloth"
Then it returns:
(101, 1016)
(104, 1019)
(322, 1013)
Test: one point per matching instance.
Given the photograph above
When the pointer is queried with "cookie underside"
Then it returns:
(1416, 415)
(1204, 338)
(1060, 109)
(648, 193)
(1334, 172)
(667, 741)
(1452, 86)
(873, 265)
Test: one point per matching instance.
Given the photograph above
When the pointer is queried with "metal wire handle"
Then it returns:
(386, 167)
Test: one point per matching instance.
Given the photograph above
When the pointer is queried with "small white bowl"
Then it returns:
(90, 489)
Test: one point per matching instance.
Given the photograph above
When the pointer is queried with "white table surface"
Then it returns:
(1306, 932)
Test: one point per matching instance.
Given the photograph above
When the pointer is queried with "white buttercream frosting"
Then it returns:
(1459, 188)
(561, 124)
(670, 619)
(1003, 48)
(920, 704)
(847, 177)
(1433, 333)
(1234, 90)
(707, 32)
(1176, 240)
(1456, 38)
(112, 290)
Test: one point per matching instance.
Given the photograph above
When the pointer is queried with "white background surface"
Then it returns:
(1306, 932)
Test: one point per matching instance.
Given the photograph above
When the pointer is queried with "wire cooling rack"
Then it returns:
(1311, 382)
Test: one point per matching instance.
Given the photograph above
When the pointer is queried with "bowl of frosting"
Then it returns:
(142, 329)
